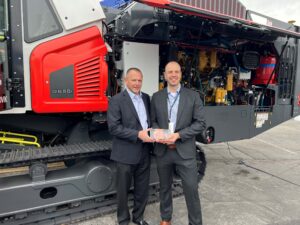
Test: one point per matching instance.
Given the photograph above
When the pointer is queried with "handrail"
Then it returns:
(22, 139)
(2, 36)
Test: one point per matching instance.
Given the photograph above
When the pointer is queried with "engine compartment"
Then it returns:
(227, 63)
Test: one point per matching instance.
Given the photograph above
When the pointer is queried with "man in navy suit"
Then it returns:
(128, 120)
(179, 110)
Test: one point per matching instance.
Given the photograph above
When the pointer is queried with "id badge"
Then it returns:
(171, 127)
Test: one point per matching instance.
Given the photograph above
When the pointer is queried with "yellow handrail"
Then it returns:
(22, 139)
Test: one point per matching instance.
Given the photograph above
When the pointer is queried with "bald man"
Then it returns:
(179, 110)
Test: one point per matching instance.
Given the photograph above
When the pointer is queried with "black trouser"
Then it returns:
(140, 173)
(187, 170)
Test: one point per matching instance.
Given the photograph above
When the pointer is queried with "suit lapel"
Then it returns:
(146, 103)
(130, 104)
(182, 100)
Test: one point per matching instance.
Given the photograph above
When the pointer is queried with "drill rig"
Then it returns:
(61, 61)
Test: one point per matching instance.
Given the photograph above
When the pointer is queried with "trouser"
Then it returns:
(187, 170)
(140, 173)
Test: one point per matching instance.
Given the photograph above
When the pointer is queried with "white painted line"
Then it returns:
(278, 147)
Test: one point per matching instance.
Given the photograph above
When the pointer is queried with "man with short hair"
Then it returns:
(178, 110)
(128, 121)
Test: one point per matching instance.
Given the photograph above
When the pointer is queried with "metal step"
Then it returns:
(26, 156)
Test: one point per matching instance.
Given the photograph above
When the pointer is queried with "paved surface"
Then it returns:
(249, 182)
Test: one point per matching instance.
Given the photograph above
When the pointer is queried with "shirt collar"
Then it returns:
(177, 91)
(132, 95)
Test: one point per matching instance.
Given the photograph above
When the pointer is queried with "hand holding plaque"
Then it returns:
(159, 134)
(164, 136)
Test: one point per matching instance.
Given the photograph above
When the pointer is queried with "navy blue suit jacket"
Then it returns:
(190, 120)
(124, 125)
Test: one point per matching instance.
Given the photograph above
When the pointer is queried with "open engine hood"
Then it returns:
(227, 11)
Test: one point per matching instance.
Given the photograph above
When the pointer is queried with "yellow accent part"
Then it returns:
(292, 21)
(229, 82)
(221, 95)
(21, 139)
(213, 59)
(224, 97)
(203, 61)
(218, 97)
(2, 38)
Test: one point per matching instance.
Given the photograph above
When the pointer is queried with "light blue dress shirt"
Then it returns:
(140, 108)
(173, 102)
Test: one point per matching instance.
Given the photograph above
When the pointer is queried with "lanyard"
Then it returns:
(171, 106)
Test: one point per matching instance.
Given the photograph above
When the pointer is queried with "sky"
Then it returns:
(284, 10)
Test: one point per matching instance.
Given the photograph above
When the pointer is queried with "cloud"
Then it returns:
(278, 9)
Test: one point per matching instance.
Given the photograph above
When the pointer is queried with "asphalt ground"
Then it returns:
(248, 182)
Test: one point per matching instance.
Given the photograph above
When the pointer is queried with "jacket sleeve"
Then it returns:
(154, 122)
(115, 126)
(198, 122)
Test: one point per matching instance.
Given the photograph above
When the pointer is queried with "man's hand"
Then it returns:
(171, 139)
(143, 135)
(159, 135)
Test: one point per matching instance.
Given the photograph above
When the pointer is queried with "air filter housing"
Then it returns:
(250, 60)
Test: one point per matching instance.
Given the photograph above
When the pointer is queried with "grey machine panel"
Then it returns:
(145, 57)
(229, 122)
(21, 194)
(263, 121)
(62, 83)
(87, 185)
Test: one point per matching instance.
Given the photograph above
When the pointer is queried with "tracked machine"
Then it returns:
(61, 61)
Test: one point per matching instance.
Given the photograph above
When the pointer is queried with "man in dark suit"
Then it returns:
(179, 110)
(128, 120)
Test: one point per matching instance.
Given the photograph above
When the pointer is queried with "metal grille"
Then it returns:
(286, 73)
(88, 78)
(226, 7)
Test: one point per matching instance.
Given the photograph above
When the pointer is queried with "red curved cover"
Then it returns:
(84, 51)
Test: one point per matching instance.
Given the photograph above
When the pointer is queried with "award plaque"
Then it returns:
(160, 134)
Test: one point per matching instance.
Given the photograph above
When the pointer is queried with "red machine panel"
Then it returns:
(69, 74)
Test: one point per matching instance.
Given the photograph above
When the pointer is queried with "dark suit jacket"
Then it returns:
(124, 125)
(189, 122)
